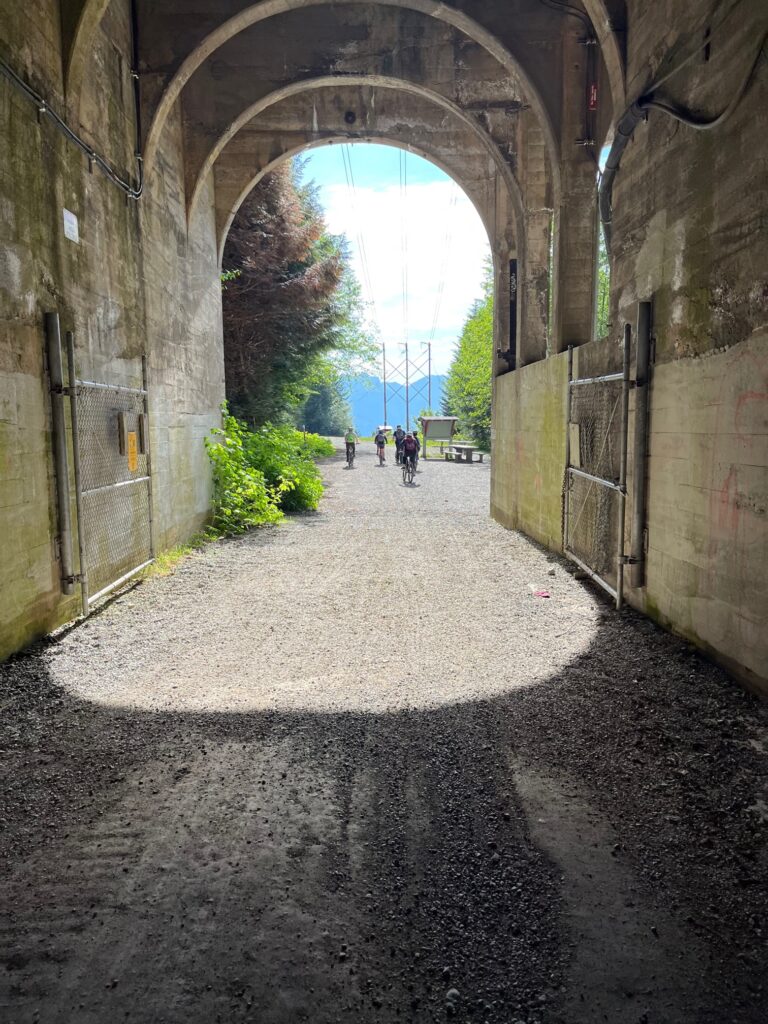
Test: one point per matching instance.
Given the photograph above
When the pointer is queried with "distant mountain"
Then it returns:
(366, 399)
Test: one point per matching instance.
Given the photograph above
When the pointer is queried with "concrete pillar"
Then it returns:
(536, 185)
(576, 221)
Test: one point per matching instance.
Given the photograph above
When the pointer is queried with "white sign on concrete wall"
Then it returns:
(71, 229)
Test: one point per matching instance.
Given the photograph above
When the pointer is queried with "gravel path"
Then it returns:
(353, 769)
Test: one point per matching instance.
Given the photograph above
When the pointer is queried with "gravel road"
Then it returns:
(352, 768)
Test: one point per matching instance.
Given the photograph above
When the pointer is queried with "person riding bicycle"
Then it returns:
(381, 440)
(399, 437)
(418, 444)
(410, 448)
(350, 439)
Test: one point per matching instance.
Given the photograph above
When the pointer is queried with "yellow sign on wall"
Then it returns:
(133, 451)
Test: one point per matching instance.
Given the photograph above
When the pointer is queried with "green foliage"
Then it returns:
(468, 387)
(326, 411)
(241, 497)
(285, 461)
(603, 304)
(294, 319)
(260, 475)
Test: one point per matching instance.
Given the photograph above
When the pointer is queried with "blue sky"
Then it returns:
(430, 227)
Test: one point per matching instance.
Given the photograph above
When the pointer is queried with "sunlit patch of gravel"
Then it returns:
(389, 597)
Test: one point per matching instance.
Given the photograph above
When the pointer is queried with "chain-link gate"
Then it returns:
(596, 473)
(113, 480)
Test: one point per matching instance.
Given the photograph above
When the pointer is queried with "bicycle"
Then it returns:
(409, 470)
(350, 456)
(381, 454)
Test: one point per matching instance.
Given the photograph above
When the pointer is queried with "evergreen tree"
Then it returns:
(292, 307)
(468, 389)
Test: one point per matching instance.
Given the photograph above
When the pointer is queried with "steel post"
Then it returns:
(60, 460)
(567, 475)
(623, 468)
(642, 371)
(70, 339)
(148, 453)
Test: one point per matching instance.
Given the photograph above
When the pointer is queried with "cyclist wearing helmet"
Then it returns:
(380, 440)
(399, 436)
(410, 448)
(350, 439)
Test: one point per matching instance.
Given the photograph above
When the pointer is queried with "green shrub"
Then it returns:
(260, 475)
(241, 497)
(286, 461)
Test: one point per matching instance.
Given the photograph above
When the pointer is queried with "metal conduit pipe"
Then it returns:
(625, 129)
(642, 371)
(60, 458)
(635, 113)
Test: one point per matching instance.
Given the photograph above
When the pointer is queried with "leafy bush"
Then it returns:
(281, 454)
(241, 497)
(260, 475)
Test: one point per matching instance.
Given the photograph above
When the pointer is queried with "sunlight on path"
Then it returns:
(388, 598)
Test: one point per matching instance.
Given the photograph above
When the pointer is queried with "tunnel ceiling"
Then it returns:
(222, 60)
(493, 91)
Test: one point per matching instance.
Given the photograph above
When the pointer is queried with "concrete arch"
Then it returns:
(378, 81)
(315, 117)
(266, 9)
(603, 24)
(80, 21)
(296, 150)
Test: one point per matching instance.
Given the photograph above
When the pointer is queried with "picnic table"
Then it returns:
(462, 453)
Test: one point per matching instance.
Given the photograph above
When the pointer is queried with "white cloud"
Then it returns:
(434, 213)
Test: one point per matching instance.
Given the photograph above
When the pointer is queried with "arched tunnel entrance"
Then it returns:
(393, 759)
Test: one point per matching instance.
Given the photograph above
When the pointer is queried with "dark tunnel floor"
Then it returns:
(352, 769)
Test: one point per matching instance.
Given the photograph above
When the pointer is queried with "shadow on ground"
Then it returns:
(591, 848)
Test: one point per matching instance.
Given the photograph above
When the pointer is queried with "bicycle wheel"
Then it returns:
(411, 471)
(405, 473)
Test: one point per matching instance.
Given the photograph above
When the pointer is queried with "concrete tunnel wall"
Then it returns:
(137, 281)
(689, 234)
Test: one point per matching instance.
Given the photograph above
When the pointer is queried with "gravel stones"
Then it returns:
(279, 784)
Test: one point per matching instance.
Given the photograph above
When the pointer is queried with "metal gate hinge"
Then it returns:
(77, 578)
(629, 560)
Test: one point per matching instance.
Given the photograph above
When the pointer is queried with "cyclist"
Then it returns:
(381, 440)
(350, 439)
(418, 445)
(410, 448)
(399, 436)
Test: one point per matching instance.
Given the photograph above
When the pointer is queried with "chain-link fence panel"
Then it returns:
(592, 526)
(595, 428)
(115, 492)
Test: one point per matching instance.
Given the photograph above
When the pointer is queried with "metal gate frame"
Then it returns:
(76, 387)
(619, 486)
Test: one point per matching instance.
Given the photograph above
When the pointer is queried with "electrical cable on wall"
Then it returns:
(637, 111)
(132, 191)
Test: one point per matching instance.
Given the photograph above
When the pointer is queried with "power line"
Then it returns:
(346, 156)
(447, 244)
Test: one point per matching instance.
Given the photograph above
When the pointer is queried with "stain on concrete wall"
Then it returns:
(529, 449)
(134, 283)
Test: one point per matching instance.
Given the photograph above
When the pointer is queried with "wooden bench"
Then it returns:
(462, 453)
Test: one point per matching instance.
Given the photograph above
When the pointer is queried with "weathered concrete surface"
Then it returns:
(529, 449)
(136, 283)
(233, 797)
(707, 477)
(708, 503)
